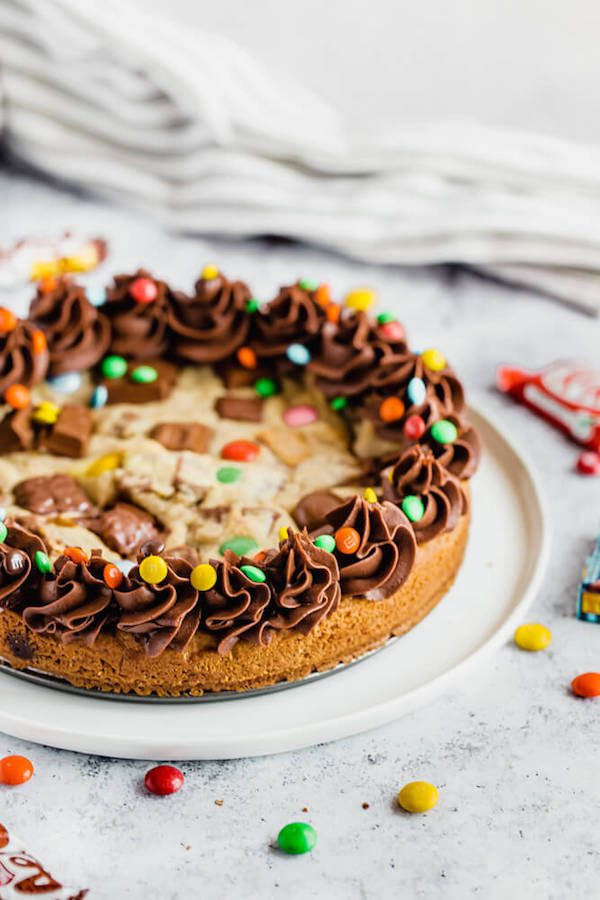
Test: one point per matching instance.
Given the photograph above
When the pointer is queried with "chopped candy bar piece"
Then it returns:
(71, 433)
(183, 436)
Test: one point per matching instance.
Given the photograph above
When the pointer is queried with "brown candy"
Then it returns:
(124, 528)
(183, 436)
(244, 409)
(126, 390)
(51, 494)
(14, 562)
(71, 433)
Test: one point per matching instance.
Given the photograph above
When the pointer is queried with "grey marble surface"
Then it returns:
(514, 755)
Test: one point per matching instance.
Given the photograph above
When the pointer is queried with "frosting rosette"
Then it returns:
(386, 550)
(293, 316)
(234, 607)
(211, 325)
(418, 474)
(139, 327)
(159, 615)
(18, 575)
(24, 356)
(73, 602)
(78, 335)
(461, 456)
(306, 584)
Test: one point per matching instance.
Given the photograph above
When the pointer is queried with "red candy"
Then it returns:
(565, 393)
(392, 331)
(143, 290)
(240, 451)
(15, 770)
(588, 463)
(587, 685)
(414, 428)
(163, 780)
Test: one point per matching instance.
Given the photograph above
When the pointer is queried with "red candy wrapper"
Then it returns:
(22, 876)
(565, 393)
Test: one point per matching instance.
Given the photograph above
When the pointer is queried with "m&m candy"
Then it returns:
(17, 396)
(112, 576)
(105, 463)
(252, 305)
(99, 397)
(96, 294)
(347, 540)
(265, 387)
(414, 428)
(309, 284)
(253, 573)
(587, 685)
(42, 562)
(444, 432)
(418, 796)
(333, 312)
(242, 546)
(8, 320)
(68, 383)
(412, 507)
(298, 354)
(203, 577)
(76, 555)
(143, 290)
(247, 358)
(210, 271)
(325, 542)
(361, 299)
(296, 838)
(153, 569)
(323, 295)
(338, 403)
(416, 391)
(370, 495)
(384, 317)
(38, 342)
(303, 414)
(391, 409)
(588, 463)
(114, 366)
(163, 780)
(3, 532)
(228, 474)
(144, 374)
(15, 770)
(434, 360)
(532, 636)
(240, 451)
(46, 413)
(392, 331)
(283, 533)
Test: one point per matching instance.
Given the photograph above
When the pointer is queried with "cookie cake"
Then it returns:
(206, 492)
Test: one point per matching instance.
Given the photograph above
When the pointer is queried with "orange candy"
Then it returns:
(587, 685)
(347, 540)
(391, 409)
(15, 770)
(323, 295)
(112, 576)
(8, 320)
(247, 358)
(48, 283)
(17, 396)
(38, 342)
(76, 554)
(333, 313)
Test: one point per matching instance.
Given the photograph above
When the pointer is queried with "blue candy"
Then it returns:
(99, 397)
(298, 354)
(125, 566)
(416, 391)
(96, 294)
(67, 383)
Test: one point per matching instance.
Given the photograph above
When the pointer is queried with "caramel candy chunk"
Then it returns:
(48, 495)
(71, 433)
(244, 409)
(183, 436)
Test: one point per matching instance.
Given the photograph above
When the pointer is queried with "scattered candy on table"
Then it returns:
(240, 545)
(163, 780)
(532, 636)
(253, 573)
(444, 432)
(114, 366)
(240, 451)
(588, 463)
(143, 290)
(414, 428)
(203, 577)
(434, 360)
(153, 569)
(265, 387)
(347, 540)
(325, 542)
(296, 838)
(361, 299)
(587, 685)
(413, 508)
(15, 770)
(68, 383)
(17, 396)
(418, 796)
(303, 414)
(99, 397)
(588, 592)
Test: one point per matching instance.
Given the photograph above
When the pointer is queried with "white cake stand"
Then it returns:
(503, 567)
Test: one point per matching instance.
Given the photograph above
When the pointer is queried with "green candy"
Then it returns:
(229, 474)
(339, 403)
(444, 432)
(3, 532)
(265, 387)
(297, 837)
(252, 305)
(239, 545)
(325, 542)
(309, 284)
(114, 366)
(42, 562)
(385, 317)
(253, 573)
(412, 507)
(144, 374)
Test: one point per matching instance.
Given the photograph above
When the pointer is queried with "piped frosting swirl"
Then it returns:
(24, 356)
(139, 330)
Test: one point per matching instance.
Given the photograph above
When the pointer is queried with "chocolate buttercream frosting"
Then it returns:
(234, 607)
(306, 584)
(139, 330)
(159, 615)
(18, 574)
(78, 334)
(293, 316)
(311, 510)
(386, 552)
(24, 358)
(462, 457)
(213, 324)
(73, 602)
(418, 473)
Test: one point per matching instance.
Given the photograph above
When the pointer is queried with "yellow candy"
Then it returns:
(41, 269)
(283, 533)
(418, 796)
(47, 413)
(370, 495)
(532, 636)
(210, 271)
(103, 464)
(203, 577)
(434, 360)
(86, 259)
(153, 569)
(361, 299)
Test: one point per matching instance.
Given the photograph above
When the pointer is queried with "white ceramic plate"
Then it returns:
(505, 559)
